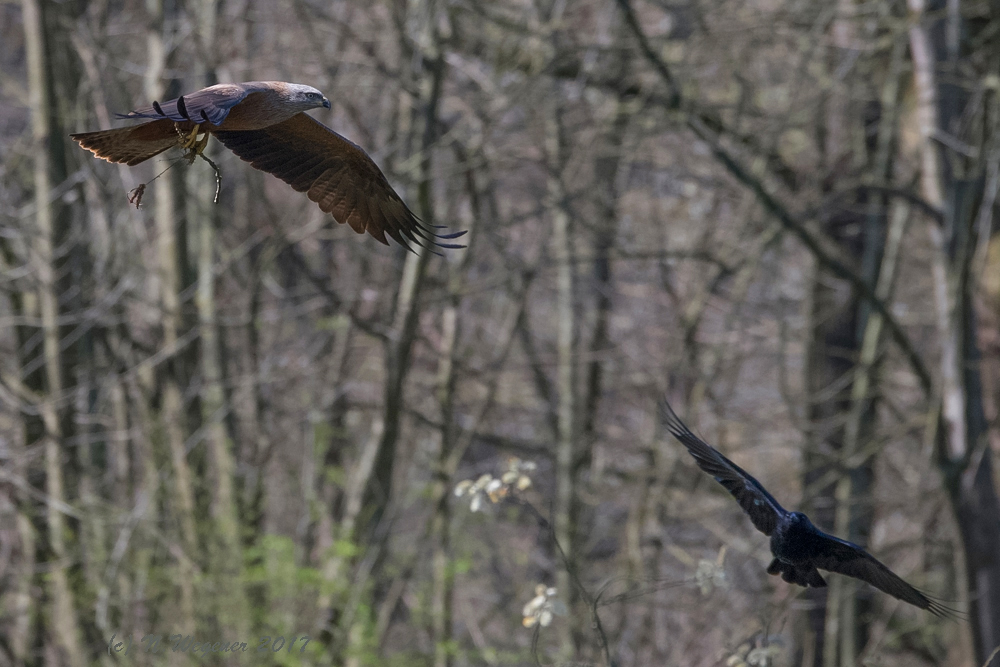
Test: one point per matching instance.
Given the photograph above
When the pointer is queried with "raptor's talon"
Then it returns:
(191, 140)
(197, 148)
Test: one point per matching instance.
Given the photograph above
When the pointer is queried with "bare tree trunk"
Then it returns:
(606, 190)
(65, 631)
(565, 455)
(852, 491)
(848, 604)
(961, 429)
(451, 324)
(399, 344)
(146, 495)
(17, 533)
(172, 411)
(397, 360)
(423, 16)
(20, 601)
(225, 555)
(118, 477)
(374, 471)
(842, 410)
(442, 575)
(337, 626)
(398, 348)
(833, 344)
(854, 510)
(821, 371)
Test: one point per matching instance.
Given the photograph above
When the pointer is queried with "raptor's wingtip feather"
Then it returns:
(453, 235)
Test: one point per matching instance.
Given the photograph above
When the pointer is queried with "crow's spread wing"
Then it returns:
(846, 558)
(763, 509)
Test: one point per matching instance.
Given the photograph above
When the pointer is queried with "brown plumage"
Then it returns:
(264, 124)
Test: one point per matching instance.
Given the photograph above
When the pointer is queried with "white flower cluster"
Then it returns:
(517, 473)
(485, 485)
(542, 607)
(496, 488)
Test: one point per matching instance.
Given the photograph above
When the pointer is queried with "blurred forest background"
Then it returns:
(241, 419)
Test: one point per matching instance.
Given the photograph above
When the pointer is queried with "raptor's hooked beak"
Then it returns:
(326, 103)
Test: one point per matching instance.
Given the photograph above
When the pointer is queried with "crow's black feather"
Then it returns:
(799, 547)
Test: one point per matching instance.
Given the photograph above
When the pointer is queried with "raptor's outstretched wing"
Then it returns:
(336, 174)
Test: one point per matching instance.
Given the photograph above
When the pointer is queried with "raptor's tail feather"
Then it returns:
(130, 145)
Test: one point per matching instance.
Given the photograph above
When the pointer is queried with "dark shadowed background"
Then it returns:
(240, 420)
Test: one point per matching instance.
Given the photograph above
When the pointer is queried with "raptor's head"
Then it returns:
(306, 97)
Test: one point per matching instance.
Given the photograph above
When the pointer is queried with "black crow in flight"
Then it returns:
(798, 546)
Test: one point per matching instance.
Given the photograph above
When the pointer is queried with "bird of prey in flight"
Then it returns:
(264, 124)
(799, 547)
